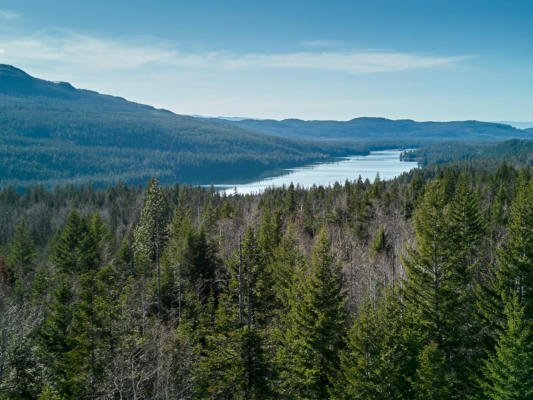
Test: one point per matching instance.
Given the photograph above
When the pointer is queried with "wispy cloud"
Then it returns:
(109, 55)
(8, 15)
(322, 43)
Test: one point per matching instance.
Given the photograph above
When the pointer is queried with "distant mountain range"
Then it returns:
(382, 129)
(51, 132)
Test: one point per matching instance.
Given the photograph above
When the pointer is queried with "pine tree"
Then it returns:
(56, 341)
(257, 279)
(466, 232)
(514, 271)
(287, 267)
(92, 321)
(316, 332)
(361, 360)
(236, 364)
(75, 249)
(20, 260)
(380, 358)
(22, 252)
(508, 373)
(103, 238)
(431, 291)
(431, 382)
(150, 234)
(427, 289)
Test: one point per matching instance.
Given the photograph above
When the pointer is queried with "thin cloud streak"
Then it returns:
(101, 55)
(8, 15)
(321, 43)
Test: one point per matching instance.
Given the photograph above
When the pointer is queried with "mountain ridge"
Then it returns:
(54, 133)
(379, 128)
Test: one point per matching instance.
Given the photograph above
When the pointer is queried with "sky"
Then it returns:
(422, 60)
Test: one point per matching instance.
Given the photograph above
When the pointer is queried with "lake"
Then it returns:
(386, 162)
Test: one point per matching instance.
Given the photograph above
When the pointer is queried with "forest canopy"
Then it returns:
(415, 288)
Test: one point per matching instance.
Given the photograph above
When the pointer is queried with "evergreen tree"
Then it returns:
(508, 373)
(316, 333)
(431, 376)
(466, 233)
(21, 259)
(75, 249)
(380, 359)
(150, 234)
(92, 320)
(514, 271)
(430, 290)
(257, 281)
(427, 288)
(56, 340)
(22, 253)
(235, 365)
(361, 360)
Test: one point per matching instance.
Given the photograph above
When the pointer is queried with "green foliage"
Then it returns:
(55, 133)
(22, 253)
(508, 372)
(316, 333)
(515, 259)
(428, 267)
(75, 249)
(278, 326)
(432, 382)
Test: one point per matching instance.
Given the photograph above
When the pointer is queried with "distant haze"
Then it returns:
(426, 60)
(519, 125)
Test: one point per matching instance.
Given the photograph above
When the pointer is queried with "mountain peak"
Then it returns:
(14, 72)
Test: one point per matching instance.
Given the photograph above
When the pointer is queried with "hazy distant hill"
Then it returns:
(53, 132)
(375, 129)
(515, 151)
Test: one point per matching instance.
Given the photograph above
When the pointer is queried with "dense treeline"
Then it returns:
(48, 143)
(514, 151)
(417, 288)
(383, 129)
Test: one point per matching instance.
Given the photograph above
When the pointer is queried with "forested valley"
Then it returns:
(416, 288)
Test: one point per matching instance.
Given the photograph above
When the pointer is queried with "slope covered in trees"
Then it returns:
(515, 151)
(403, 131)
(53, 133)
(417, 288)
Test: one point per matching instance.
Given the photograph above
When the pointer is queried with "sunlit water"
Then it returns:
(387, 163)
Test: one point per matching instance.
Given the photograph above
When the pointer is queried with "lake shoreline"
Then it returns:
(387, 163)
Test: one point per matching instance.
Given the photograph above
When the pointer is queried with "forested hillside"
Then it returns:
(404, 131)
(53, 133)
(417, 288)
(514, 151)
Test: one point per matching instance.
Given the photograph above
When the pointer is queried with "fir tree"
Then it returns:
(431, 382)
(21, 259)
(361, 361)
(508, 373)
(75, 249)
(466, 233)
(514, 271)
(150, 234)
(380, 358)
(427, 289)
(22, 253)
(56, 340)
(317, 326)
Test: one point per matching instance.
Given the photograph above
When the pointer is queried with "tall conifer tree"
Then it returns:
(318, 324)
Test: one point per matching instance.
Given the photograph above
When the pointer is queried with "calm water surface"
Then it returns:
(387, 163)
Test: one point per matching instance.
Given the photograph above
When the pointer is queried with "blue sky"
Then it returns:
(425, 60)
